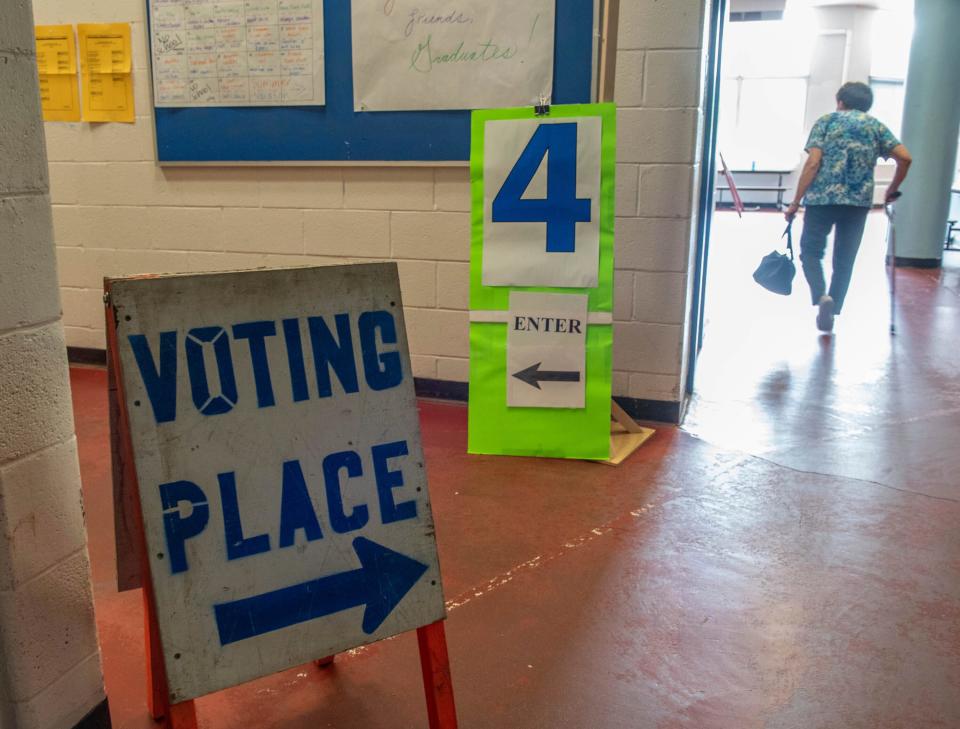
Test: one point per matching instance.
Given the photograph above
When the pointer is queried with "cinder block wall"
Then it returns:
(659, 90)
(49, 658)
(116, 212)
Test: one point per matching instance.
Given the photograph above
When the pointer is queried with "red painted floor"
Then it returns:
(788, 560)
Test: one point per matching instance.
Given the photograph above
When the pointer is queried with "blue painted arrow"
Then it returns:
(381, 582)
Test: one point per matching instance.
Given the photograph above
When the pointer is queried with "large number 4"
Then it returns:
(561, 209)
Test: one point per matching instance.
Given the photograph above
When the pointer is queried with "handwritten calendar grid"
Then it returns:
(249, 52)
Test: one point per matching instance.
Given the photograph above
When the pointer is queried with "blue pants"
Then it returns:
(849, 221)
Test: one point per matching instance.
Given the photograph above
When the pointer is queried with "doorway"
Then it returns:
(776, 70)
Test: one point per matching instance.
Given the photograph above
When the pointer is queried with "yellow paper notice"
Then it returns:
(56, 49)
(57, 66)
(106, 63)
(105, 47)
(109, 92)
(59, 97)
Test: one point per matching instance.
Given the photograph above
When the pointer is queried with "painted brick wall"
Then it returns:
(658, 89)
(49, 658)
(116, 212)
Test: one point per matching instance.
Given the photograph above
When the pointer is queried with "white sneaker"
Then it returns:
(825, 314)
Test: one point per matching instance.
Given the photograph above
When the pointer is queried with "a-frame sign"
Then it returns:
(267, 423)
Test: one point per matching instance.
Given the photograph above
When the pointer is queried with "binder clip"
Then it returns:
(543, 108)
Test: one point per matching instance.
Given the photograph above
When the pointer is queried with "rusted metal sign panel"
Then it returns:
(280, 471)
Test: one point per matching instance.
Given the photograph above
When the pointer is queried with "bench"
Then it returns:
(746, 175)
(952, 227)
(779, 189)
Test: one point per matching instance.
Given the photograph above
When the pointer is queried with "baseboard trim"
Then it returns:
(441, 389)
(661, 411)
(87, 356)
(98, 718)
(916, 262)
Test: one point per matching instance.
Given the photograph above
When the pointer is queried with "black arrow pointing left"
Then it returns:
(533, 375)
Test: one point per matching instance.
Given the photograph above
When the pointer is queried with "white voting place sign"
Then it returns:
(280, 470)
(541, 202)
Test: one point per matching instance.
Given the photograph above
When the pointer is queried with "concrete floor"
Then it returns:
(789, 559)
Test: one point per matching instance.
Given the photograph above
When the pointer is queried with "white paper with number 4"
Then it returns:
(541, 202)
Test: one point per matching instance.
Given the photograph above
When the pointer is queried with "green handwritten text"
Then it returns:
(424, 58)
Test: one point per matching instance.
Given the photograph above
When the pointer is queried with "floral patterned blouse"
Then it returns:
(851, 142)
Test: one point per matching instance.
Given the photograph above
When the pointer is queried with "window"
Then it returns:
(761, 122)
(888, 102)
(764, 90)
(892, 34)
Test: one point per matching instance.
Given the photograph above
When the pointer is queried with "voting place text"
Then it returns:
(279, 464)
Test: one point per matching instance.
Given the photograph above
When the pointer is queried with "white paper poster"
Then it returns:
(237, 52)
(529, 253)
(433, 54)
(546, 350)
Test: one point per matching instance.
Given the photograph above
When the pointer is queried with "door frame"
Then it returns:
(708, 174)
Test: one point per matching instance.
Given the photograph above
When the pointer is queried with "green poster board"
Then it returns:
(542, 223)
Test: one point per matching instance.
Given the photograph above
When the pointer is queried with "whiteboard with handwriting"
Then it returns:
(237, 52)
(436, 54)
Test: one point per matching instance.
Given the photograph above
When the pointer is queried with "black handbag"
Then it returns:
(775, 272)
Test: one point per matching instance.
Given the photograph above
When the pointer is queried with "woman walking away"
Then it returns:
(836, 186)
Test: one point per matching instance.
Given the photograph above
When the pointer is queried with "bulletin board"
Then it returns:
(336, 133)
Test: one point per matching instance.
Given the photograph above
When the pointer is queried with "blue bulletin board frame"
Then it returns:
(336, 133)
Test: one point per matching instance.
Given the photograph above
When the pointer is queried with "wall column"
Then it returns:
(49, 658)
(842, 53)
(660, 66)
(931, 124)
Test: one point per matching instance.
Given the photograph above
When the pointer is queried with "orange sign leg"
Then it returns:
(178, 716)
(184, 714)
(437, 684)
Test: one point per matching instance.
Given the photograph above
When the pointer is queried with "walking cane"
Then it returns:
(892, 231)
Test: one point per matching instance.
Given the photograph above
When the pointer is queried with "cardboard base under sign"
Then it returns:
(626, 435)
(622, 443)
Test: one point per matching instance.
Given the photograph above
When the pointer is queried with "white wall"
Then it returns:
(842, 53)
(116, 212)
(49, 658)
